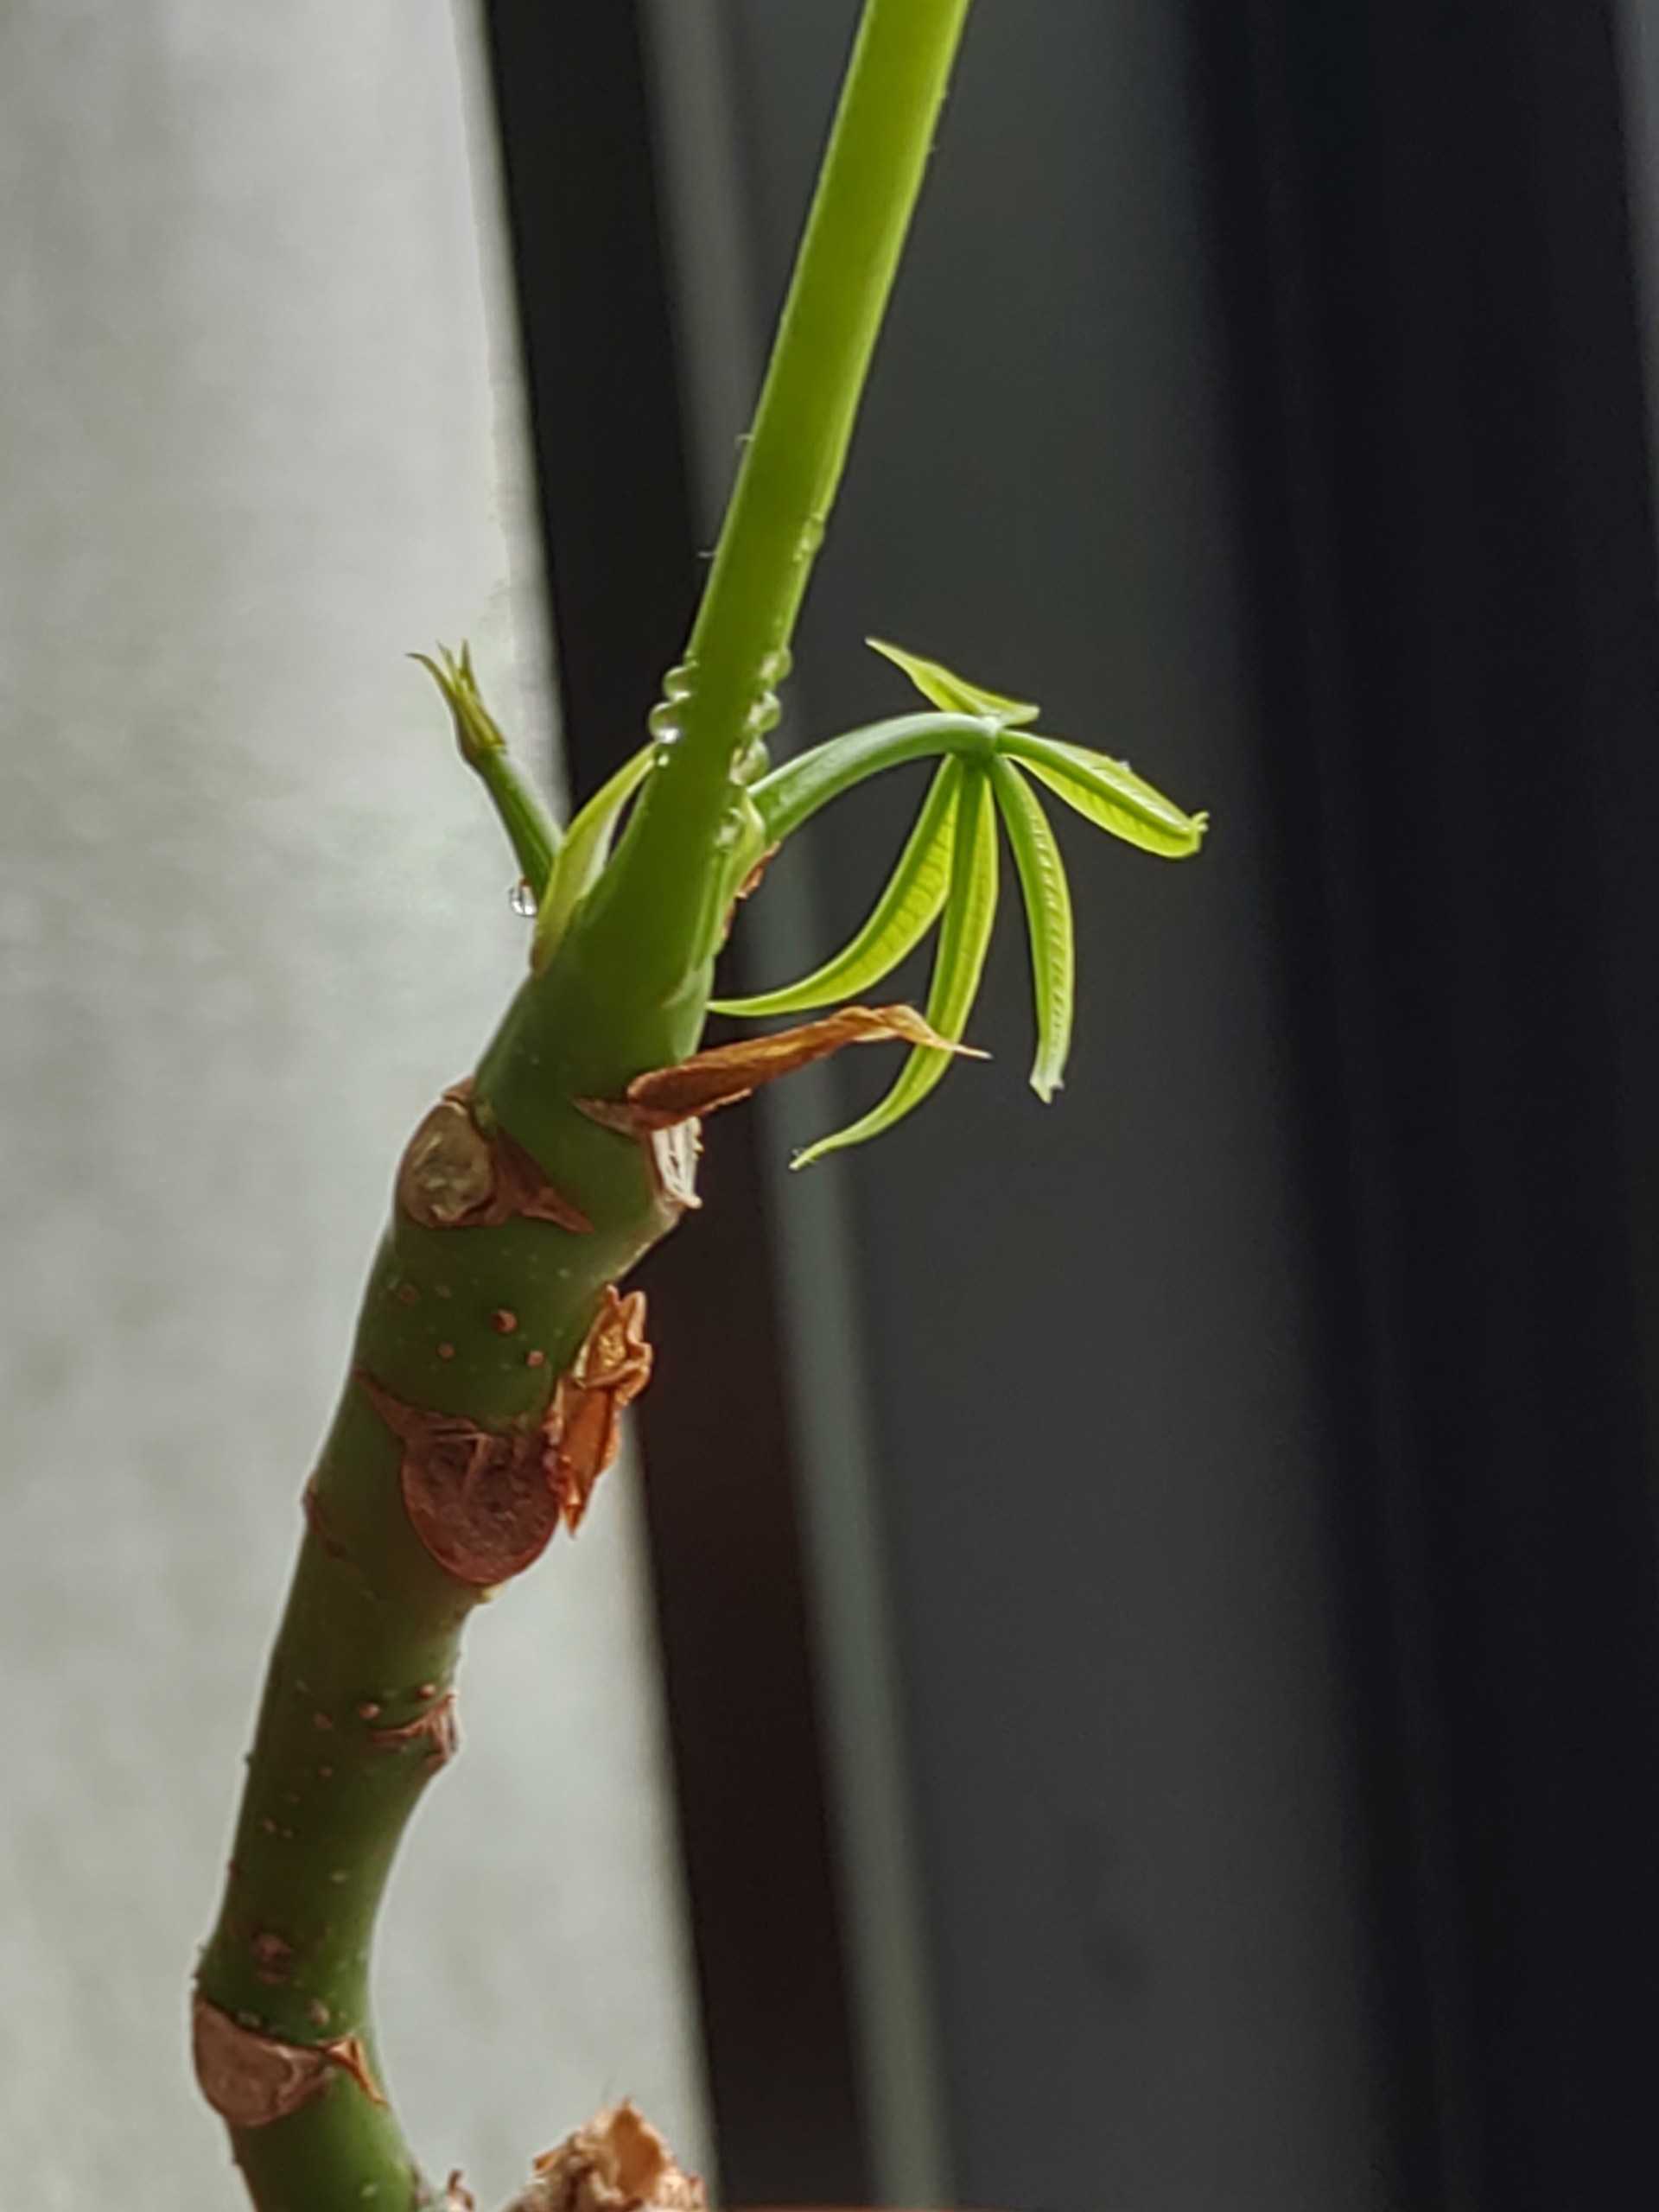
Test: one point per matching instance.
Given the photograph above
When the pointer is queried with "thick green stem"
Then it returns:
(475, 1310)
(472, 1322)
(667, 886)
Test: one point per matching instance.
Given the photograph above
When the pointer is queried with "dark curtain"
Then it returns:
(1419, 227)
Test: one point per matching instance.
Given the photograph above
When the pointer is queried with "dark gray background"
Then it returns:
(1085, 1329)
(1218, 1509)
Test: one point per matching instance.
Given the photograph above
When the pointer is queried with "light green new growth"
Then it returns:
(953, 694)
(493, 1353)
(581, 859)
(964, 939)
(900, 919)
(530, 830)
(1048, 922)
(986, 749)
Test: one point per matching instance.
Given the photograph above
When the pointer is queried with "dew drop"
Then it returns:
(678, 684)
(522, 899)
(663, 720)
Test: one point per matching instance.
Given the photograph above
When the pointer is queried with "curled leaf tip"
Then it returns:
(953, 694)
(1108, 793)
(531, 832)
(900, 919)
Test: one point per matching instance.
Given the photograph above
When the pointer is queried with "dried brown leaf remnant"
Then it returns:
(455, 1176)
(434, 1725)
(252, 2079)
(584, 1423)
(665, 1097)
(478, 1499)
(521, 1188)
(350, 2054)
(751, 882)
(673, 1154)
(617, 2162)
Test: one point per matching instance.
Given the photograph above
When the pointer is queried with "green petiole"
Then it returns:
(793, 793)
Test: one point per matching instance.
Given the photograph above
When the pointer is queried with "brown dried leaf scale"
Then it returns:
(663, 1097)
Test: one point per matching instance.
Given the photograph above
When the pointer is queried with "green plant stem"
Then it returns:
(475, 1323)
(661, 884)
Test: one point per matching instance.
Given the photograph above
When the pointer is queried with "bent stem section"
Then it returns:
(492, 1354)
(451, 1462)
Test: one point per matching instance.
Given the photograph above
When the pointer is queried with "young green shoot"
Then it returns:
(948, 869)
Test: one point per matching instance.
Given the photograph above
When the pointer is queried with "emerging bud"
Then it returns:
(476, 730)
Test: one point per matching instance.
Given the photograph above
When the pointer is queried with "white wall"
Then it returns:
(258, 442)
